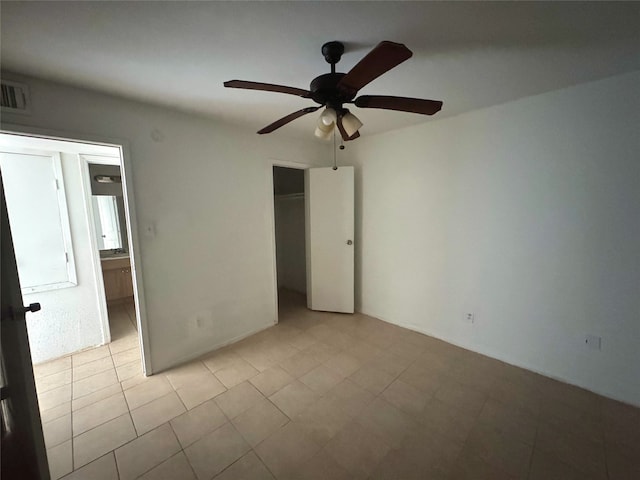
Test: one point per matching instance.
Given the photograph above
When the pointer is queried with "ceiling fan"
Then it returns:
(333, 90)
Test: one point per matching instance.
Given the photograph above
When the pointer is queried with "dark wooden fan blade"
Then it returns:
(343, 133)
(268, 87)
(402, 104)
(284, 120)
(381, 59)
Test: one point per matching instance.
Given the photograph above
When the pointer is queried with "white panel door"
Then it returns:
(22, 443)
(39, 220)
(329, 238)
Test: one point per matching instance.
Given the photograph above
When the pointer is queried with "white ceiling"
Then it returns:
(468, 54)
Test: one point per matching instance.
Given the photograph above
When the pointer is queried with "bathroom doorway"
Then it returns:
(110, 227)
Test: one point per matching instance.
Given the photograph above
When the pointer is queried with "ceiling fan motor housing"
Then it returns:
(324, 90)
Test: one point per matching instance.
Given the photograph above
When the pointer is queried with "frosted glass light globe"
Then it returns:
(328, 116)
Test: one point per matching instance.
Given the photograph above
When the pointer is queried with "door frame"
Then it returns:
(132, 221)
(95, 251)
(272, 224)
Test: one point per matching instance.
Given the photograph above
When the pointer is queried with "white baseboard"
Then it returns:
(205, 351)
(503, 358)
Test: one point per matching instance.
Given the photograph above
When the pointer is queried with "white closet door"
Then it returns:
(329, 202)
(39, 220)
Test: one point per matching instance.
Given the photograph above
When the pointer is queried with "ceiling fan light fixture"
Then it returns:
(351, 123)
(323, 134)
(329, 116)
(324, 131)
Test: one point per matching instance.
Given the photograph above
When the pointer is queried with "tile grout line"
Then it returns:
(72, 432)
(100, 424)
(153, 399)
(102, 399)
(180, 398)
(115, 461)
(533, 449)
(38, 393)
(95, 391)
(255, 452)
(230, 465)
(38, 377)
(158, 464)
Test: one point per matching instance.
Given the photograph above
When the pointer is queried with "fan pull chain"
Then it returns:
(335, 161)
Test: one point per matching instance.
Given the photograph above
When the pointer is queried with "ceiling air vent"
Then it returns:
(15, 97)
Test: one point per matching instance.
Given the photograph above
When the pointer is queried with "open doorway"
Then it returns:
(110, 227)
(85, 342)
(68, 216)
(289, 217)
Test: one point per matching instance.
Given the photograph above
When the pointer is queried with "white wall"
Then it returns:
(290, 243)
(202, 190)
(524, 213)
(70, 317)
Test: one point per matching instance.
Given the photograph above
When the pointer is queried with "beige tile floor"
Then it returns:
(326, 396)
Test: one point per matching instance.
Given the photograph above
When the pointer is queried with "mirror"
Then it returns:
(109, 227)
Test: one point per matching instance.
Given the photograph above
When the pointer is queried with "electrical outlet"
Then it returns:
(470, 317)
(593, 342)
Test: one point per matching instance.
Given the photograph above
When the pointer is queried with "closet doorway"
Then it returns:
(289, 218)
